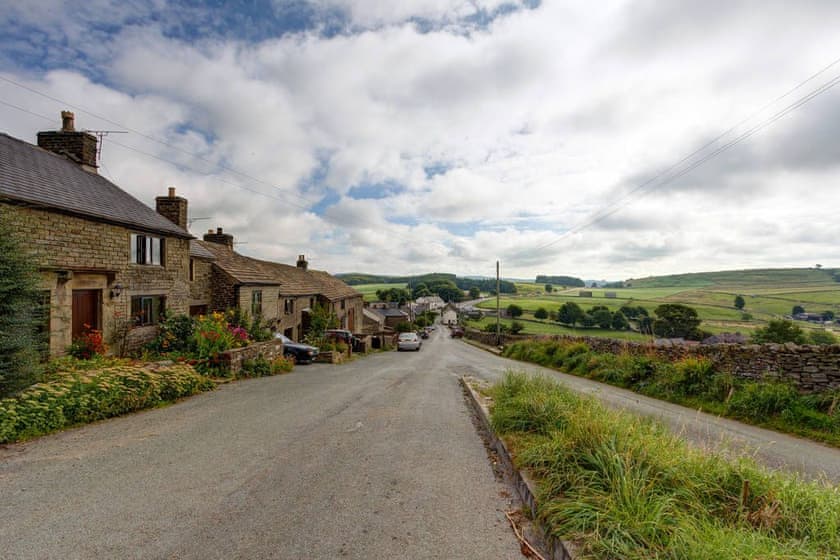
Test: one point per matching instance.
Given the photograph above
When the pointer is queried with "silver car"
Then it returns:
(409, 341)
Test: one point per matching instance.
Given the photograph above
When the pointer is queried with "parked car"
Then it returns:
(457, 332)
(423, 333)
(345, 336)
(301, 353)
(409, 341)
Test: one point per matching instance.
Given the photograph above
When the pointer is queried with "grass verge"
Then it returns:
(694, 382)
(621, 486)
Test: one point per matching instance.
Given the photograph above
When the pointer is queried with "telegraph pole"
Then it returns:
(498, 314)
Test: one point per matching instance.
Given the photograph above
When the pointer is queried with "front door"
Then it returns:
(351, 320)
(87, 306)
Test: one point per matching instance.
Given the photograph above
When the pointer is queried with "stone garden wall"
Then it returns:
(231, 360)
(811, 368)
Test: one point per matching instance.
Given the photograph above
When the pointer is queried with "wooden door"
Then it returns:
(86, 310)
(351, 320)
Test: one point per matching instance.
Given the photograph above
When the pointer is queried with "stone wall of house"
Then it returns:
(293, 320)
(223, 291)
(231, 360)
(810, 368)
(345, 309)
(75, 253)
(201, 287)
(269, 301)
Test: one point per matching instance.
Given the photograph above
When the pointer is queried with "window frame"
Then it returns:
(139, 309)
(256, 303)
(147, 250)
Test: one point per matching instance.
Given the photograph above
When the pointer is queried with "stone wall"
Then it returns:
(231, 360)
(200, 286)
(75, 253)
(810, 368)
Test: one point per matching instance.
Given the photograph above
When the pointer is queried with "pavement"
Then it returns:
(375, 458)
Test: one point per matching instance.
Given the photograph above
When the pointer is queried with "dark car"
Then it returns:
(457, 332)
(345, 336)
(302, 353)
(423, 333)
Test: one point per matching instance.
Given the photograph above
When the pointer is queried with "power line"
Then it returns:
(642, 189)
(206, 173)
(150, 137)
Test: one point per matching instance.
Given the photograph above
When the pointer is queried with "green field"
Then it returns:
(369, 290)
(768, 293)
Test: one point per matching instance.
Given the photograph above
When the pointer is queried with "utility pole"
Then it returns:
(498, 314)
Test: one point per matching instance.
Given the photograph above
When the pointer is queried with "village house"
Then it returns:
(283, 295)
(449, 314)
(106, 260)
(109, 262)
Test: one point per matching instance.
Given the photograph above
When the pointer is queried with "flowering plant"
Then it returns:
(89, 344)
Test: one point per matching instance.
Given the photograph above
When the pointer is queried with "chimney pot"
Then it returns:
(68, 121)
(219, 231)
(209, 231)
(171, 192)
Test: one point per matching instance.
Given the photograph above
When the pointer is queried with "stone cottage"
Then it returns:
(283, 295)
(107, 261)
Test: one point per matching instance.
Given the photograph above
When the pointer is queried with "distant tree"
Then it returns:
(549, 288)
(619, 322)
(421, 290)
(569, 313)
(19, 303)
(746, 317)
(780, 332)
(588, 320)
(403, 326)
(828, 315)
(514, 310)
(541, 313)
(821, 338)
(645, 325)
(603, 318)
(598, 308)
(516, 327)
(739, 302)
(475, 292)
(818, 266)
(674, 320)
(797, 309)
(399, 295)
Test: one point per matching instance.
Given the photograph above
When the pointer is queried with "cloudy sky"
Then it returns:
(442, 135)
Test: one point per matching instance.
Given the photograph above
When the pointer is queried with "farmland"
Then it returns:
(768, 294)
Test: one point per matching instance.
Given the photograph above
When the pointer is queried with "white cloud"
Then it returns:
(533, 122)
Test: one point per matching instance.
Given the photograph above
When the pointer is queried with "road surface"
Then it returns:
(377, 458)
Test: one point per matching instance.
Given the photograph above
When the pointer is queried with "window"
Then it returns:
(192, 270)
(342, 304)
(256, 303)
(288, 306)
(147, 310)
(146, 249)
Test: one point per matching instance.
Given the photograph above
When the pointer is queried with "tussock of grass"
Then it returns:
(622, 486)
(692, 381)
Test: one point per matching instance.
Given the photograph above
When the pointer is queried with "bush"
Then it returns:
(175, 335)
(541, 313)
(212, 335)
(779, 331)
(282, 364)
(516, 327)
(88, 345)
(79, 396)
(821, 338)
(256, 367)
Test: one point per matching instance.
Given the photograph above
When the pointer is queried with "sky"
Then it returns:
(444, 135)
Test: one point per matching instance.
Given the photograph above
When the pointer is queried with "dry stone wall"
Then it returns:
(810, 368)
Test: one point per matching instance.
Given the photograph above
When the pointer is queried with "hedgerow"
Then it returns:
(75, 394)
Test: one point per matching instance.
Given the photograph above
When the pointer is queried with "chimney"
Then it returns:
(301, 262)
(219, 237)
(79, 147)
(173, 208)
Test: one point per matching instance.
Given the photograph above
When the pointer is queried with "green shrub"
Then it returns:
(79, 396)
(175, 335)
(282, 364)
(763, 400)
(256, 367)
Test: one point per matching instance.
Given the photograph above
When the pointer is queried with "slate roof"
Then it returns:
(198, 251)
(292, 280)
(37, 177)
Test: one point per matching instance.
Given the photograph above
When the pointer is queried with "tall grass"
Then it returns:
(621, 486)
(693, 382)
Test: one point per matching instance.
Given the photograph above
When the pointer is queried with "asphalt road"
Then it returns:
(377, 458)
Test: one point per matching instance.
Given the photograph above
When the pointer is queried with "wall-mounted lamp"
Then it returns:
(116, 291)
